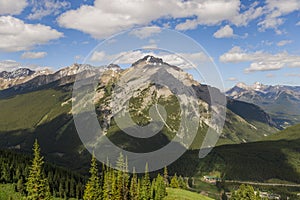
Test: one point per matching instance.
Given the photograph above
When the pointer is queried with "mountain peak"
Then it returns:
(21, 72)
(149, 59)
(255, 86)
(242, 85)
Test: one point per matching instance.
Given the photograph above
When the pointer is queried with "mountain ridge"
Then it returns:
(281, 102)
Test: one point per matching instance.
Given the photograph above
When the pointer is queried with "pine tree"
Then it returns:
(134, 193)
(37, 185)
(174, 182)
(245, 192)
(146, 185)
(92, 188)
(166, 176)
(160, 188)
(20, 186)
(182, 182)
(122, 179)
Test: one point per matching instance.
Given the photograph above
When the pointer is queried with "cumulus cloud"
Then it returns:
(12, 7)
(182, 60)
(187, 25)
(259, 60)
(252, 13)
(284, 42)
(115, 16)
(11, 65)
(33, 55)
(42, 8)
(15, 35)
(224, 32)
(275, 10)
(146, 32)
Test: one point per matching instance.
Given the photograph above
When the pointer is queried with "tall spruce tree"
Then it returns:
(166, 176)
(174, 182)
(134, 190)
(245, 192)
(160, 188)
(92, 188)
(146, 185)
(122, 179)
(37, 185)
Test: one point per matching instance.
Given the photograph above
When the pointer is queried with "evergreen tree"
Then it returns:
(5, 173)
(182, 182)
(122, 179)
(160, 188)
(92, 188)
(146, 185)
(20, 186)
(245, 192)
(134, 190)
(166, 176)
(37, 185)
(174, 182)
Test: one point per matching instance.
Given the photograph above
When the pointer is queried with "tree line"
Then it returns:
(38, 181)
(15, 169)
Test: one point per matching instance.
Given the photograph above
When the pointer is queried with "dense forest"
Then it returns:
(35, 179)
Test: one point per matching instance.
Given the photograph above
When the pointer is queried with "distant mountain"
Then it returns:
(22, 72)
(19, 76)
(281, 102)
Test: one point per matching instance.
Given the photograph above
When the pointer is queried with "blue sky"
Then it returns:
(248, 40)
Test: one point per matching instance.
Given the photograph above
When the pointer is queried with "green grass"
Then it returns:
(27, 111)
(7, 191)
(210, 189)
(179, 194)
(290, 133)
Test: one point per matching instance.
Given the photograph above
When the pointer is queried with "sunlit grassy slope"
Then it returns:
(179, 194)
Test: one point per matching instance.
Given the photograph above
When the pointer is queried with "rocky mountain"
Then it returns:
(281, 102)
(41, 107)
(19, 76)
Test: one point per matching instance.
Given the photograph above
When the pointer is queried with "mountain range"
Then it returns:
(39, 106)
(281, 102)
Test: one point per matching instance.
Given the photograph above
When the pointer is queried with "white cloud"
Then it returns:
(12, 7)
(182, 60)
(15, 35)
(284, 42)
(115, 16)
(78, 57)
(33, 55)
(42, 8)
(275, 11)
(252, 13)
(232, 79)
(146, 32)
(99, 56)
(298, 24)
(187, 25)
(150, 46)
(224, 32)
(261, 61)
(11, 65)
